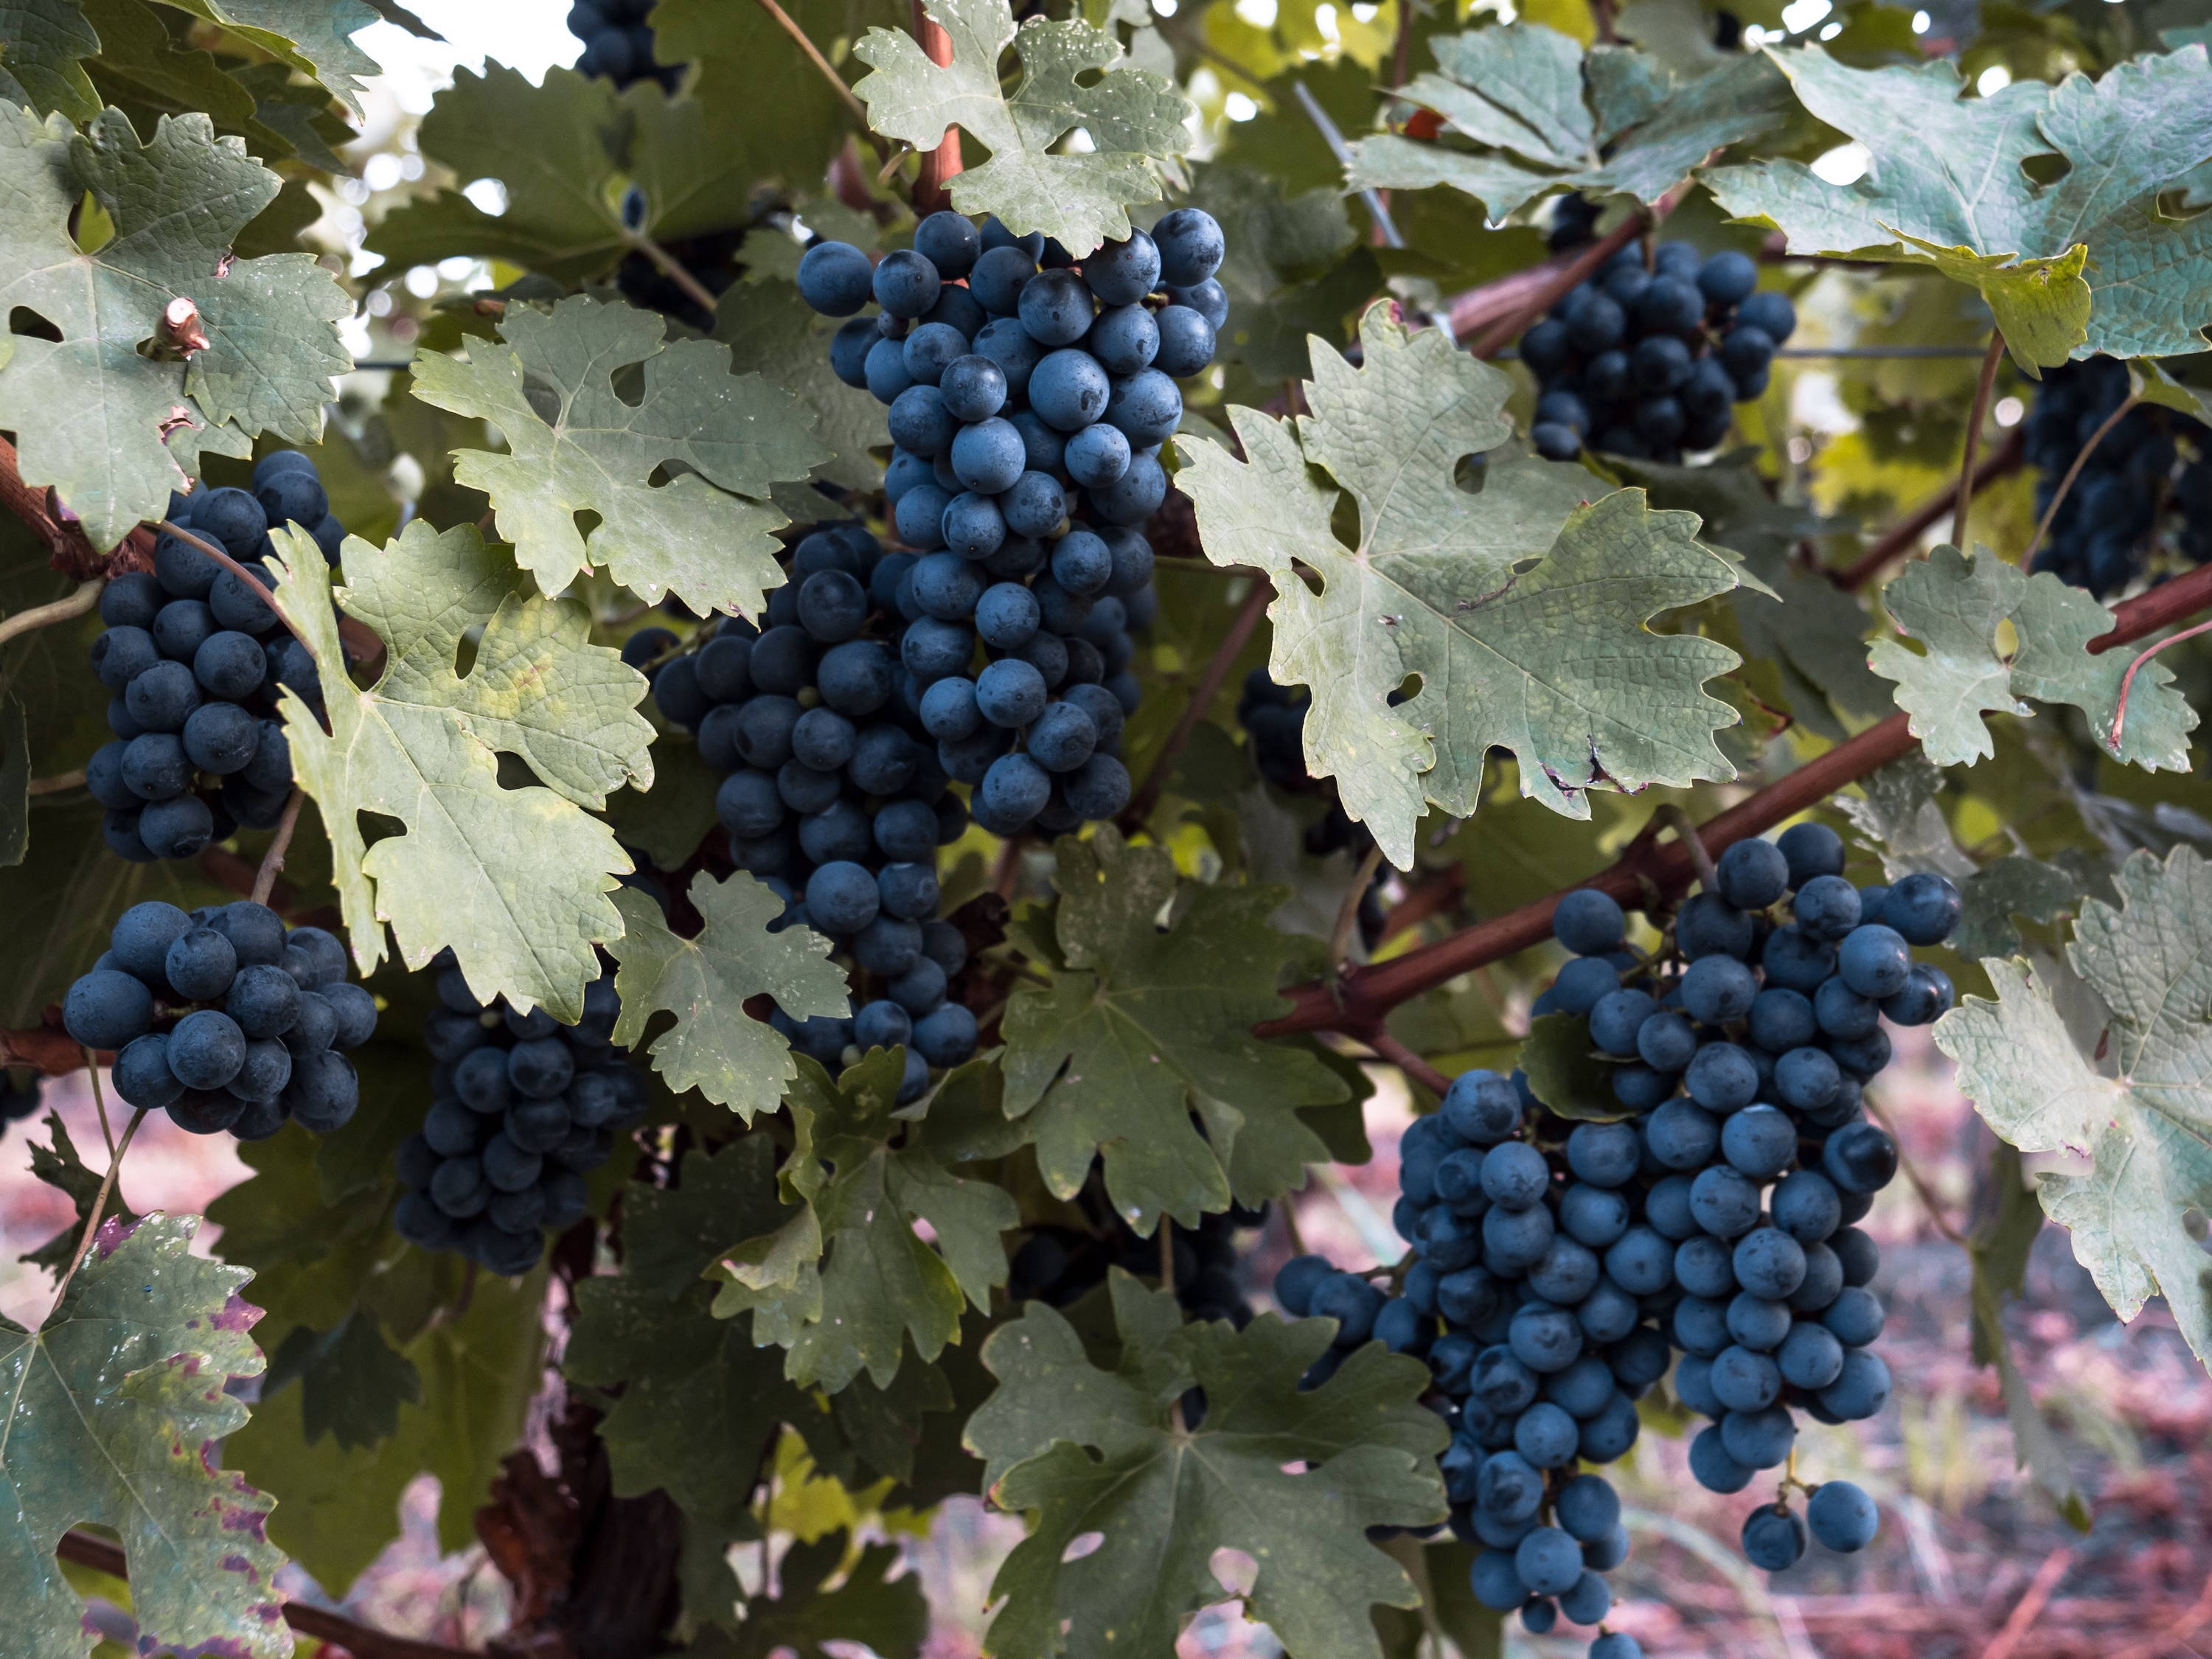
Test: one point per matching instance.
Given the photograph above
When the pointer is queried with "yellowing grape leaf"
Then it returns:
(1555, 664)
(1292, 1480)
(1142, 1025)
(576, 443)
(515, 880)
(878, 1280)
(2138, 1108)
(112, 428)
(1945, 186)
(1080, 196)
(113, 1412)
(1545, 116)
(716, 1047)
(1953, 606)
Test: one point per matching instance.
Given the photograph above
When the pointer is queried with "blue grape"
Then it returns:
(1773, 1538)
(1842, 1517)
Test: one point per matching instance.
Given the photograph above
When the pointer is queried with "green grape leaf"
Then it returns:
(312, 36)
(1564, 1072)
(43, 46)
(352, 1381)
(112, 427)
(1952, 606)
(2014, 885)
(515, 880)
(570, 155)
(480, 1368)
(890, 1617)
(1292, 1480)
(879, 1275)
(2088, 264)
(1141, 1026)
(1555, 664)
(14, 780)
(716, 1047)
(2137, 1111)
(774, 333)
(113, 1410)
(695, 1393)
(1081, 197)
(576, 444)
(1547, 118)
(60, 1167)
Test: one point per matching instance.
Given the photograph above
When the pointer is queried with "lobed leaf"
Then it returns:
(514, 880)
(1079, 197)
(1553, 664)
(577, 444)
(115, 1408)
(716, 1047)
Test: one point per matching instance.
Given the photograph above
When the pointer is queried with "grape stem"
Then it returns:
(272, 862)
(2128, 679)
(1672, 814)
(99, 1199)
(1983, 386)
(243, 574)
(2066, 483)
(60, 784)
(672, 268)
(1389, 1049)
(1902, 536)
(1201, 698)
(86, 595)
(845, 93)
(1359, 1001)
(1348, 912)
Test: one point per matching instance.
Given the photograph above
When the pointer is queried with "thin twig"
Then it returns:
(1922, 1190)
(1440, 892)
(1201, 699)
(1672, 814)
(86, 595)
(1585, 261)
(672, 268)
(99, 1207)
(359, 1640)
(1348, 914)
(1981, 389)
(2031, 1603)
(100, 1103)
(1377, 210)
(2066, 483)
(1389, 1049)
(272, 862)
(845, 93)
(2128, 679)
(239, 571)
(60, 784)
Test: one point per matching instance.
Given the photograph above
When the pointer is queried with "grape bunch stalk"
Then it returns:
(1646, 362)
(2153, 460)
(1558, 1265)
(226, 1018)
(523, 1109)
(194, 659)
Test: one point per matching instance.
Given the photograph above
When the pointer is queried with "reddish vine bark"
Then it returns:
(1357, 1003)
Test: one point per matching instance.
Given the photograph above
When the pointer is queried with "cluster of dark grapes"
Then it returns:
(2152, 461)
(225, 1017)
(523, 1109)
(1645, 363)
(194, 658)
(1060, 1265)
(618, 42)
(1557, 1265)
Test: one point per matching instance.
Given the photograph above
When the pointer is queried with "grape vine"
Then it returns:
(801, 731)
